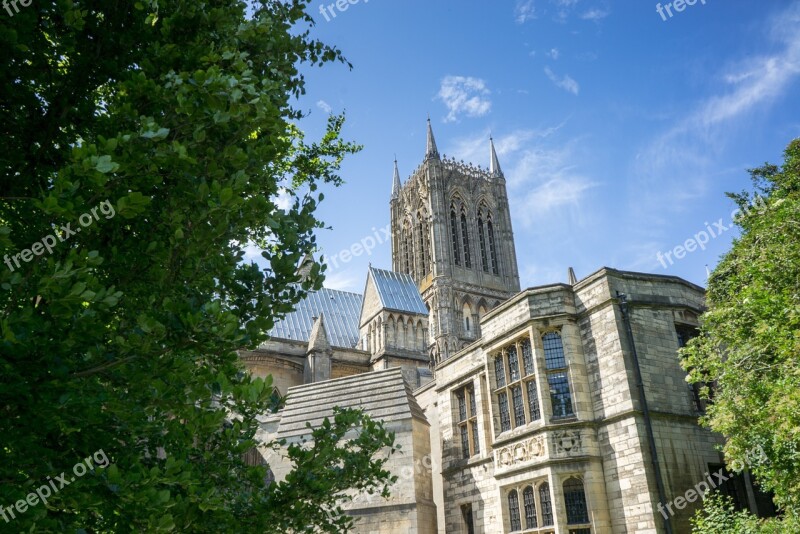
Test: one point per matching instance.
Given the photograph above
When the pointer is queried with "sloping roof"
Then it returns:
(341, 310)
(398, 291)
(382, 395)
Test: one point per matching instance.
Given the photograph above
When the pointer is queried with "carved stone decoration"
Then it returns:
(520, 453)
(567, 443)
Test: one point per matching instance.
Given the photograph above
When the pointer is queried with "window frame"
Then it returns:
(576, 523)
(523, 507)
(454, 241)
(466, 403)
(516, 377)
(560, 367)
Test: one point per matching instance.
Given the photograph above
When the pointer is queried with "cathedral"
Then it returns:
(553, 409)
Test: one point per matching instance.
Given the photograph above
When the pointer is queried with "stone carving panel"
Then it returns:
(530, 450)
(567, 443)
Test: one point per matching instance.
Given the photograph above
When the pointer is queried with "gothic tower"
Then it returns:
(451, 231)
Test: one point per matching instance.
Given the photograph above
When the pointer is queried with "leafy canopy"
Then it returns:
(750, 336)
(177, 114)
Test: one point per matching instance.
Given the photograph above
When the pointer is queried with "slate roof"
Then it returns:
(341, 310)
(383, 395)
(398, 292)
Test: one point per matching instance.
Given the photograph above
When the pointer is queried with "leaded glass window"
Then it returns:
(533, 400)
(468, 421)
(505, 417)
(560, 396)
(513, 510)
(519, 408)
(513, 364)
(499, 371)
(527, 356)
(517, 394)
(546, 505)
(553, 351)
(575, 501)
(530, 508)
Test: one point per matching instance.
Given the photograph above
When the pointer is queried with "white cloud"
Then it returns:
(525, 11)
(560, 10)
(475, 148)
(544, 182)
(595, 14)
(464, 95)
(324, 106)
(566, 83)
(553, 53)
(283, 200)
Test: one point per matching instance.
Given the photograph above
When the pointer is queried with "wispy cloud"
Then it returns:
(560, 10)
(542, 174)
(524, 11)
(595, 14)
(553, 53)
(324, 106)
(566, 82)
(677, 165)
(464, 95)
(547, 178)
(475, 147)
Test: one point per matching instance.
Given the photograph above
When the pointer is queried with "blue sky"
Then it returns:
(619, 132)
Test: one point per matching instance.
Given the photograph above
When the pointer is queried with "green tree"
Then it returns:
(719, 516)
(750, 335)
(172, 120)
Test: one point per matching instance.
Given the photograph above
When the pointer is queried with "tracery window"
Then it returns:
(454, 236)
(482, 243)
(492, 247)
(465, 239)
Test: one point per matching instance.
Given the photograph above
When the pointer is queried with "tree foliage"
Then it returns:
(719, 516)
(176, 116)
(750, 335)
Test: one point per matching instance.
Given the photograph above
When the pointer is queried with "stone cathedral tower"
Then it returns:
(451, 231)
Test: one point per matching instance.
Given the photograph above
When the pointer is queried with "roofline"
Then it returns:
(601, 272)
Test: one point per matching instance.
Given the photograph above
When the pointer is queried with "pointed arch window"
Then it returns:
(423, 252)
(492, 246)
(482, 244)
(408, 249)
(513, 510)
(465, 239)
(536, 507)
(575, 501)
(454, 236)
(530, 508)
(546, 504)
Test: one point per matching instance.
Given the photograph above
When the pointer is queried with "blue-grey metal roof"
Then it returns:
(398, 291)
(341, 311)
